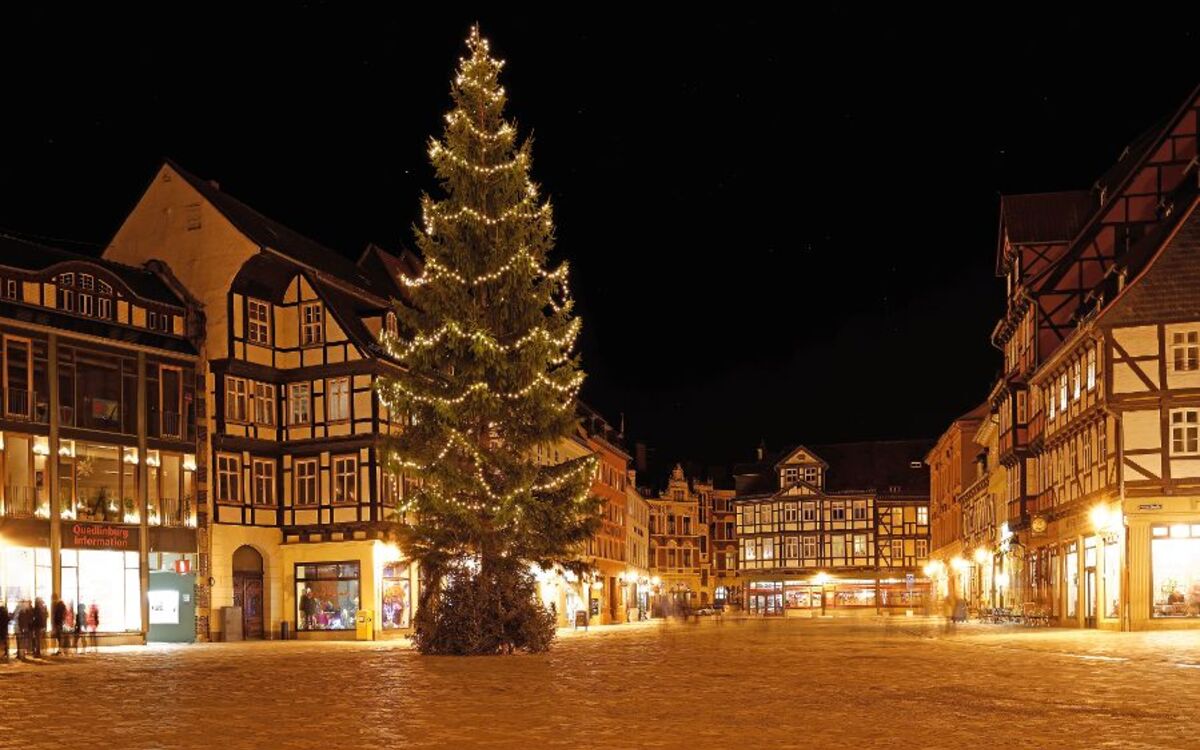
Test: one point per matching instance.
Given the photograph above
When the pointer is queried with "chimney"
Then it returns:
(761, 450)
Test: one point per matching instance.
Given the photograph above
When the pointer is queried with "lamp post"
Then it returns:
(821, 579)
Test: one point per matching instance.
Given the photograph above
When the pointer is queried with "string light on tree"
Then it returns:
(487, 339)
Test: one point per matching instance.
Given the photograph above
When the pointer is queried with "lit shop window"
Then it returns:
(397, 602)
(326, 595)
(107, 580)
(1175, 564)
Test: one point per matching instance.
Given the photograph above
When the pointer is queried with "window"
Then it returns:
(235, 399)
(87, 304)
(859, 510)
(1075, 381)
(311, 328)
(837, 547)
(337, 400)
(812, 475)
(104, 287)
(397, 599)
(229, 479)
(839, 511)
(306, 481)
(922, 515)
(1050, 401)
(1185, 431)
(264, 481)
(1022, 407)
(326, 595)
(789, 512)
(258, 322)
(104, 308)
(792, 548)
(809, 512)
(345, 479)
(898, 549)
(1062, 392)
(264, 403)
(1185, 350)
(87, 282)
(389, 324)
(791, 475)
(1091, 369)
(299, 397)
(810, 546)
(748, 551)
(152, 320)
(66, 279)
(768, 548)
(10, 288)
(1175, 564)
(860, 545)
(66, 300)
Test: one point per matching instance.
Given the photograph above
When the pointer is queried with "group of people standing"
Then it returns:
(70, 627)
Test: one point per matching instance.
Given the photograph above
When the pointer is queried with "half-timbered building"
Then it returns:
(300, 503)
(99, 441)
(841, 527)
(1096, 487)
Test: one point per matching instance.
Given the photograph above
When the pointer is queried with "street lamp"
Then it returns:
(821, 579)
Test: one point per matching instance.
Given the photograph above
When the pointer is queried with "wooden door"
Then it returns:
(248, 594)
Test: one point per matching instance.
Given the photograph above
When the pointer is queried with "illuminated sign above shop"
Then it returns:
(100, 536)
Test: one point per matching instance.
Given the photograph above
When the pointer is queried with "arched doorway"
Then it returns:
(248, 589)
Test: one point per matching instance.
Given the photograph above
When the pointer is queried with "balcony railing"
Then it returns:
(172, 425)
(18, 502)
(24, 405)
(171, 511)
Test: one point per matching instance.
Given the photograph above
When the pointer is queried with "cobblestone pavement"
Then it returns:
(778, 683)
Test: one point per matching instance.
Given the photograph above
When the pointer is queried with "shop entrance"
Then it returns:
(248, 589)
(1089, 611)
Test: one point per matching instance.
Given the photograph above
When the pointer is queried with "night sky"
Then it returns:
(779, 227)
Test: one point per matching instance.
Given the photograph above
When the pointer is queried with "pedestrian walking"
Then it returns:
(80, 626)
(40, 615)
(58, 620)
(4, 618)
(93, 624)
(24, 625)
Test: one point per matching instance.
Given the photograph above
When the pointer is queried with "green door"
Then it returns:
(172, 607)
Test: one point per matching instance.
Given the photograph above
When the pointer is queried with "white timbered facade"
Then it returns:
(804, 546)
(300, 505)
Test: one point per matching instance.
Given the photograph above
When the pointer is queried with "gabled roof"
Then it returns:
(385, 268)
(800, 449)
(1043, 218)
(1166, 289)
(1116, 180)
(274, 236)
(16, 252)
(878, 465)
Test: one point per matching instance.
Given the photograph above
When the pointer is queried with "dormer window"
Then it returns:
(66, 279)
(87, 282)
(312, 328)
(791, 475)
(258, 322)
(390, 325)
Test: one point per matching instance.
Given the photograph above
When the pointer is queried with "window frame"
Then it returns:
(312, 332)
(220, 493)
(231, 404)
(337, 477)
(330, 400)
(264, 403)
(258, 331)
(300, 478)
(262, 479)
(293, 402)
(1188, 430)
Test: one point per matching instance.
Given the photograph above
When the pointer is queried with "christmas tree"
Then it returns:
(491, 376)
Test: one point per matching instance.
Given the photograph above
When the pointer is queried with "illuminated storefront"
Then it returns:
(1175, 570)
(848, 595)
(327, 595)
